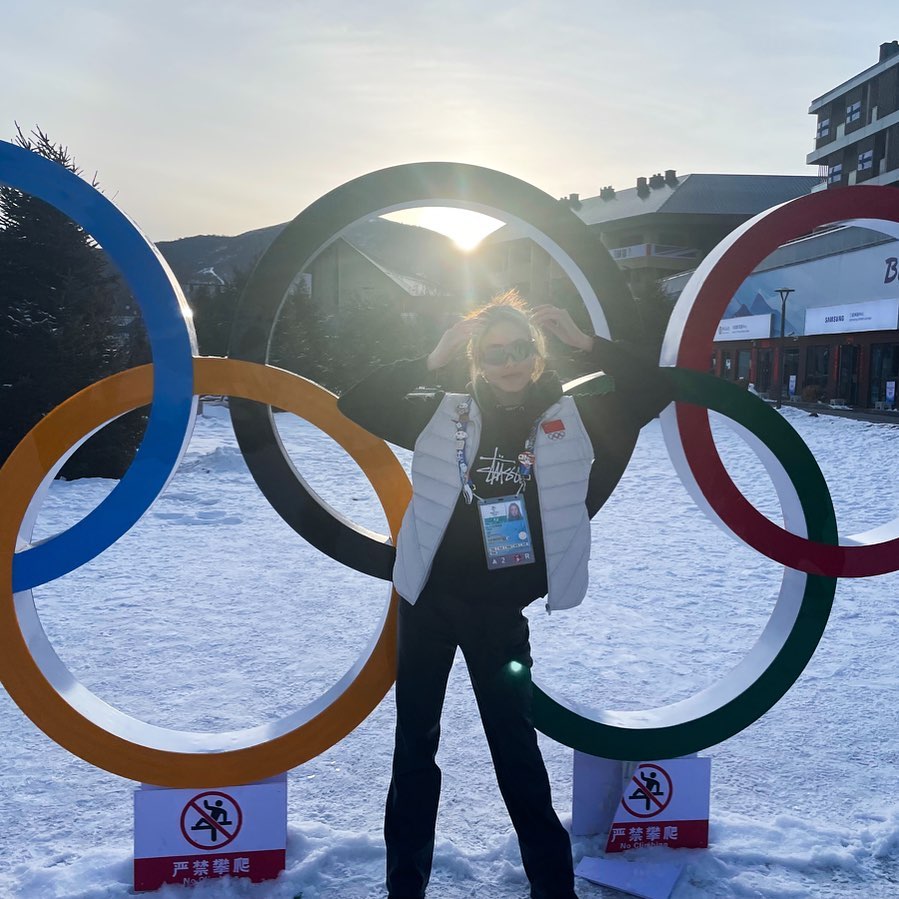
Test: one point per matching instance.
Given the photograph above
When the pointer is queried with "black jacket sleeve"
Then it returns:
(641, 391)
(381, 404)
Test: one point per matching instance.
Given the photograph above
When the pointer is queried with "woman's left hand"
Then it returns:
(554, 320)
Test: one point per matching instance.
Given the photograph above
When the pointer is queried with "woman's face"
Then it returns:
(509, 376)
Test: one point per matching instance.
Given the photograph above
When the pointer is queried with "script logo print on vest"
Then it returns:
(554, 429)
(499, 470)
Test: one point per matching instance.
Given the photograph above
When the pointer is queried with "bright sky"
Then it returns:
(220, 116)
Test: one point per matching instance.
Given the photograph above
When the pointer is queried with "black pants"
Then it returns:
(494, 641)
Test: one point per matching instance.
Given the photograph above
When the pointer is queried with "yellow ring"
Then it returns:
(365, 684)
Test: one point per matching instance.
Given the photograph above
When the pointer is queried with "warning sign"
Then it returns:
(187, 836)
(216, 818)
(651, 794)
(664, 803)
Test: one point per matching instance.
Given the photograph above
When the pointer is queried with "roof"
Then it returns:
(414, 285)
(698, 194)
(835, 240)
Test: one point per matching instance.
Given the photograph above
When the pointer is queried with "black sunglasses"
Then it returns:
(517, 351)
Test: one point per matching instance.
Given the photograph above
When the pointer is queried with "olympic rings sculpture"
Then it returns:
(809, 545)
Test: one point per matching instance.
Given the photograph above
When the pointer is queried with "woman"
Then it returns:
(466, 573)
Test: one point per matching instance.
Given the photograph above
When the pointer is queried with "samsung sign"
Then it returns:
(747, 327)
(874, 315)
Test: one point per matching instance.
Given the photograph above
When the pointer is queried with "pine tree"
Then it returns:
(67, 320)
(305, 339)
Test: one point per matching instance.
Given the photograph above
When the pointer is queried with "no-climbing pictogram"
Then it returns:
(211, 820)
(652, 791)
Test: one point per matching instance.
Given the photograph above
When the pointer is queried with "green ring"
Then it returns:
(764, 675)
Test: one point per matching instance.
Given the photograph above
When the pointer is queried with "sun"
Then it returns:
(467, 229)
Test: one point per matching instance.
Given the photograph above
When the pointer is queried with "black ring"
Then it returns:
(417, 184)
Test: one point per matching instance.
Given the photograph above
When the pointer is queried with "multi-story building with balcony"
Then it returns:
(857, 139)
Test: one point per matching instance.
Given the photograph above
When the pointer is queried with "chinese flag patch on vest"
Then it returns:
(554, 429)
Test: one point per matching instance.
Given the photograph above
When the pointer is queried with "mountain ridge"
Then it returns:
(210, 259)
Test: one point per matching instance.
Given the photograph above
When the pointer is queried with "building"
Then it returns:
(343, 277)
(857, 139)
(664, 225)
(841, 328)
(841, 343)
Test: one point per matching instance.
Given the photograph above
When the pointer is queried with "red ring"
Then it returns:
(742, 252)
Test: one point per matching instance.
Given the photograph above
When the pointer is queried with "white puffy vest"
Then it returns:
(562, 469)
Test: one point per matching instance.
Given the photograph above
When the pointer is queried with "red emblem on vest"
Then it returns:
(554, 429)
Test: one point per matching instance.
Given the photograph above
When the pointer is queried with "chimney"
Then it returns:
(642, 188)
(888, 50)
(671, 177)
(656, 181)
(607, 192)
(572, 201)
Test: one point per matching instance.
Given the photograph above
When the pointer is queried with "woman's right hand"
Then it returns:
(453, 340)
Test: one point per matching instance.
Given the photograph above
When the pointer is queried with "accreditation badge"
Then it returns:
(506, 532)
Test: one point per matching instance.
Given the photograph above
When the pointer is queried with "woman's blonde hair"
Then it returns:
(505, 307)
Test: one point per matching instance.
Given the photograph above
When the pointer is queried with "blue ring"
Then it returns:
(172, 341)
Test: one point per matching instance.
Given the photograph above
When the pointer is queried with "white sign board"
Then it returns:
(648, 879)
(595, 793)
(664, 803)
(873, 315)
(745, 327)
(185, 836)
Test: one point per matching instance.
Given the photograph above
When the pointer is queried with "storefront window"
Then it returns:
(847, 374)
(763, 375)
(790, 369)
(744, 358)
(816, 361)
(884, 370)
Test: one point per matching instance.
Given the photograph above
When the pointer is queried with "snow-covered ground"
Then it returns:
(212, 614)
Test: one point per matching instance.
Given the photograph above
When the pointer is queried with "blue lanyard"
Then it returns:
(526, 458)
